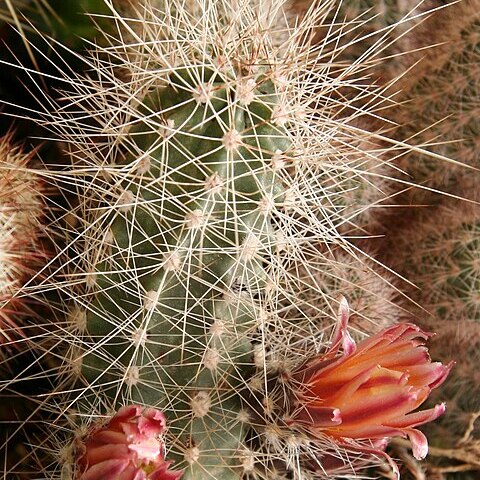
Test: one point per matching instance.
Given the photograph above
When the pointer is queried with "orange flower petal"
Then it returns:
(371, 392)
(418, 418)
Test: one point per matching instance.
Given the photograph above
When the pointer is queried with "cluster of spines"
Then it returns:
(20, 251)
(443, 101)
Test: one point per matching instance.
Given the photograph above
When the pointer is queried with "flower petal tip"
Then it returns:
(337, 416)
(341, 333)
(419, 443)
(439, 410)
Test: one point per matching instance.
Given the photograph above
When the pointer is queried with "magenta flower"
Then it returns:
(370, 391)
(128, 448)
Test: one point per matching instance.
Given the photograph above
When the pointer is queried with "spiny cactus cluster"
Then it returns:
(374, 299)
(202, 192)
(20, 251)
(203, 183)
(446, 242)
(217, 156)
(441, 111)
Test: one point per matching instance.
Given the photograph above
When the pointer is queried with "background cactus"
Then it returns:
(22, 254)
(374, 299)
(388, 36)
(456, 436)
(71, 22)
(20, 249)
(392, 42)
(443, 102)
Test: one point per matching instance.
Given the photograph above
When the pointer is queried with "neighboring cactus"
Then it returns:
(385, 36)
(64, 20)
(432, 51)
(67, 20)
(364, 187)
(440, 250)
(374, 298)
(443, 262)
(20, 215)
(443, 103)
(459, 429)
(392, 42)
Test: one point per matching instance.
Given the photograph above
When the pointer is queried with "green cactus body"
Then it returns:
(193, 227)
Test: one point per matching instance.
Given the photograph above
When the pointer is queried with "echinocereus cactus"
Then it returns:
(440, 112)
(203, 145)
(388, 35)
(442, 261)
(374, 299)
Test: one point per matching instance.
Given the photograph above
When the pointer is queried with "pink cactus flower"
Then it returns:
(128, 448)
(370, 391)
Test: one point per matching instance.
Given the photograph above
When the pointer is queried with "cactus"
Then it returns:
(374, 299)
(367, 186)
(64, 20)
(442, 103)
(20, 251)
(385, 35)
(204, 192)
(459, 428)
(188, 250)
(444, 263)
(390, 40)
(442, 258)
